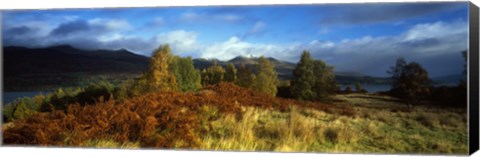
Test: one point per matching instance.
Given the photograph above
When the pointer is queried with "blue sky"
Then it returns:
(365, 38)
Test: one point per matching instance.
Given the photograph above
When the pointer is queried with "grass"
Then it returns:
(379, 130)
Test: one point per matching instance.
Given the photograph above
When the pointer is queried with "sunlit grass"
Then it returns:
(376, 130)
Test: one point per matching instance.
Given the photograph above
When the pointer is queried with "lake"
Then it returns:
(371, 88)
(8, 97)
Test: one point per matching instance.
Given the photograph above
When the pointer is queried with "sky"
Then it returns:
(365, 38)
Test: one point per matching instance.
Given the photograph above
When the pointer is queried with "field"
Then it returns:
(228, 117)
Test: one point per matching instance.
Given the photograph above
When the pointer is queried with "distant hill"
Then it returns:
(449, 79)
(67, 59)
(63, 64)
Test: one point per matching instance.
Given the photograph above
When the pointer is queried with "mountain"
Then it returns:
(67, 59)
(43, 68)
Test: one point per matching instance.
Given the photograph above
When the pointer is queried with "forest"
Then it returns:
(173, 105)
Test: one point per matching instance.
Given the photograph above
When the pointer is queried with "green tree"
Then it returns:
(409, 81)
(359, 87)
(245, 77)
(324, 79)
(213, 74)
(303, 79)
(266, 80)
(188, 78)
(230, 73)
(396, 71)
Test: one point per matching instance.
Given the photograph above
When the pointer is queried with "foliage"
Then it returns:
(348, 89)
(59, 99)
(324, 79)
(230, 73)
(124, 90)
(410, 81)
(312, 79)
(213, 74)
(188, 78)
(266, 80)
(359, 88)
(94, 92)
(245, 77)
(159, 77)
(303, 79)
(284, 89)
(21, 108)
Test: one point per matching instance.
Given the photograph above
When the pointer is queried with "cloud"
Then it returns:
(195, 17)
(21, 30)
(427, 43)
(384, 12)
(180, 41)
(92, 26)
(258, 28)
(110, 24)
(71, 28)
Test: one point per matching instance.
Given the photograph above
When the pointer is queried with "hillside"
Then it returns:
(230, 118)
(42, 68)
(66, 59)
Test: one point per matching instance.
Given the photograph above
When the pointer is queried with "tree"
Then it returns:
(359, 88)
(188, 78)
(266, 80)
(410, 82)
(303, 78)
(213, 74)
(158, 77)
(463, 82)
(396, 71)
(324, 79)
(230, 73)
(245, 77)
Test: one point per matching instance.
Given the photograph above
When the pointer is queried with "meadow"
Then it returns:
(231, 118)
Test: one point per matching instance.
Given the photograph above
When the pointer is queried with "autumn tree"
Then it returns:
(303, 81)
(213, 74)
(324, 84)
(230, 73)
(245, 77)
(158, 76)
(409, 81)
(266, 80)
(188, 78)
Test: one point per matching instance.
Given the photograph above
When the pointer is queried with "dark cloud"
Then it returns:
(387, 12)
(72, 27)
(21, 30)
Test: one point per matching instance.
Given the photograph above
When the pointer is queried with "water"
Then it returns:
(8, 97)
(371, 88)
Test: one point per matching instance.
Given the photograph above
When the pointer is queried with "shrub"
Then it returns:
(95, 91)
(331, 135)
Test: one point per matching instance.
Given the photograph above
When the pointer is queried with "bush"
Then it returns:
(331, 135)
(22, 108)
(94, 92)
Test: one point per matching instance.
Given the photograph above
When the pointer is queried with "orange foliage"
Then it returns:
(162, 119)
